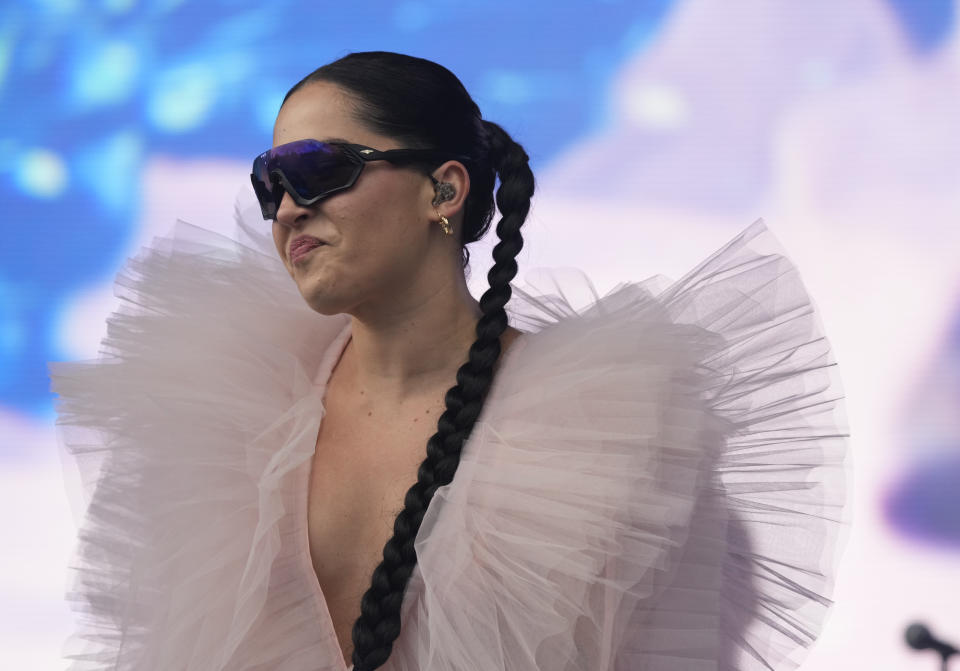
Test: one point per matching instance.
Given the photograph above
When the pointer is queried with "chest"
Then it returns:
(363, 465)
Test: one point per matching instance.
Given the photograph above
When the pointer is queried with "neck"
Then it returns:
(405, 351)
(399, 362)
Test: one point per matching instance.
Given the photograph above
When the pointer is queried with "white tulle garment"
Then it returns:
(656, 481)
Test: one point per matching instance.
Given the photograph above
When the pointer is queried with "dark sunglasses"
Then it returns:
(310, 170)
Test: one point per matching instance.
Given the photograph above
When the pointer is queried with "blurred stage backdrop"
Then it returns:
(658, 130)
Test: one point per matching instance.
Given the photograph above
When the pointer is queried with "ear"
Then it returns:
(455, 174)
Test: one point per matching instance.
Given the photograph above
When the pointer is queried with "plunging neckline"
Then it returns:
(320, 383)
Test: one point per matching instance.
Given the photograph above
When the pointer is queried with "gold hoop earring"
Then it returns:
(444, 223)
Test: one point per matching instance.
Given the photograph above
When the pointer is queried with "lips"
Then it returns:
(302, 245)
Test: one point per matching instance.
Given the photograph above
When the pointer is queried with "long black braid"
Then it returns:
(425, 105)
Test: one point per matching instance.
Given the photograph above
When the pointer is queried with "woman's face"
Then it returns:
(378, 231)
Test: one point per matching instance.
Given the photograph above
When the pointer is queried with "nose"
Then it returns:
(289, 213)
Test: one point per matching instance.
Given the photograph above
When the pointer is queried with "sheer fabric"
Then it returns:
(657, 480)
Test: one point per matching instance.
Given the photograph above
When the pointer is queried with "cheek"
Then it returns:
(379, 248)
(375, 219)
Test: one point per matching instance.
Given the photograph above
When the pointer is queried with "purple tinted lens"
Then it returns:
(268, 206)
(313, 168)
(263, 188)
(307, 169)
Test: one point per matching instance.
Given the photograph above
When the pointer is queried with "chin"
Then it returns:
(319, 301)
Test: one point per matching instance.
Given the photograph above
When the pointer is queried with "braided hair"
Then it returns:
(424, 105)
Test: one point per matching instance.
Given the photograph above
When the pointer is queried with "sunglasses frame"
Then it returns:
(357, 154)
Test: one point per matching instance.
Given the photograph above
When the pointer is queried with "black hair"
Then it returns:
(424, 105)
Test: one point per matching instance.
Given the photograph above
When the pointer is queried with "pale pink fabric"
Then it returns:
(656, 481)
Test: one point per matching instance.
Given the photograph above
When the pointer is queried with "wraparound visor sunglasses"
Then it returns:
(310, 170)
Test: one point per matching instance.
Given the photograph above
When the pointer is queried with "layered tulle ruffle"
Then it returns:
(656, 480)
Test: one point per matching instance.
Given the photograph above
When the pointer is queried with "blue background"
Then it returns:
(88, 90)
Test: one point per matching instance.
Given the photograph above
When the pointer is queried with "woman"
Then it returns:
(652, 482)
